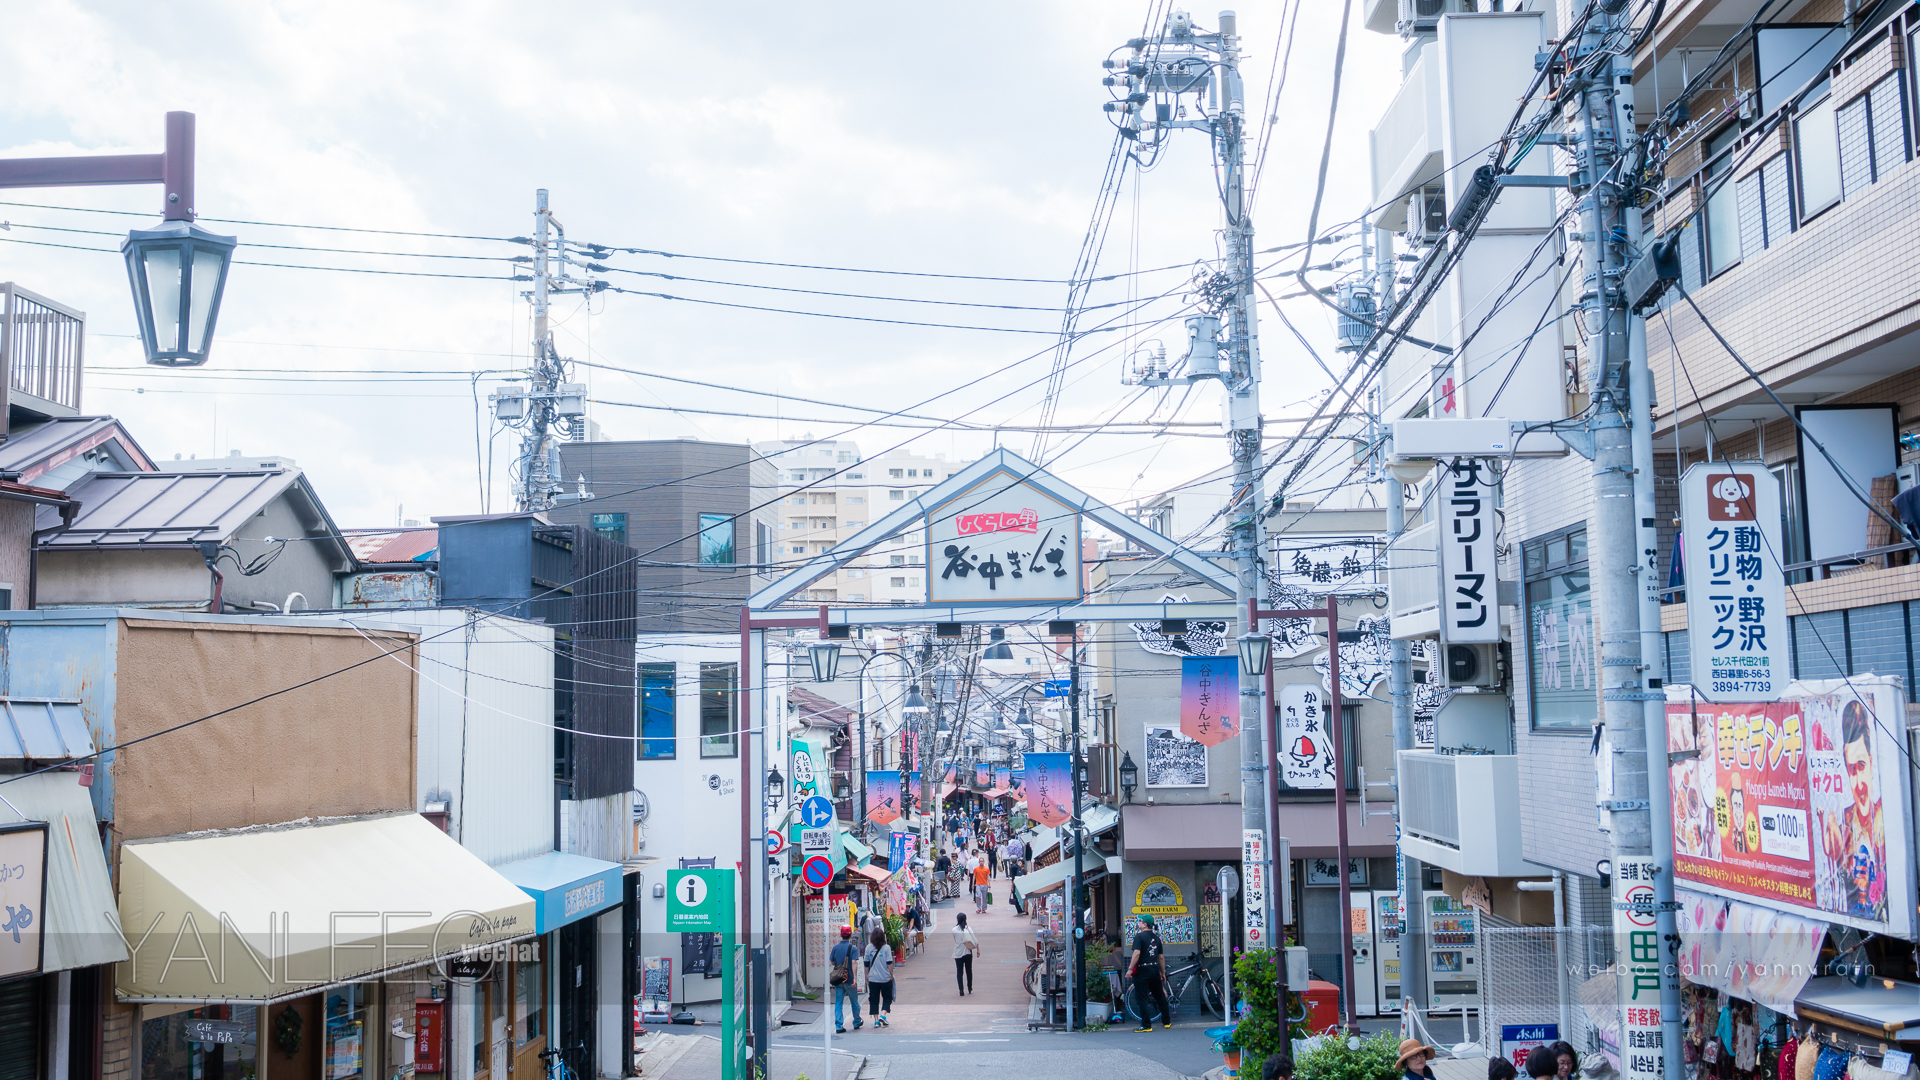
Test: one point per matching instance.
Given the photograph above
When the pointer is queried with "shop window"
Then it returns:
(716, 540)
(611, 526)
(168, 1053)
(344, 1047)
(529, 1002)
(1563, 676)
(718, 709)
(656, 711)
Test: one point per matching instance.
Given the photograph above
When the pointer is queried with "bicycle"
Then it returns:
(556, 1061)
(1212, 999)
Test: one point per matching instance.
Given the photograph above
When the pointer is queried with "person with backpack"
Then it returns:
(1147, 971)
(841, 978)
(879, 977)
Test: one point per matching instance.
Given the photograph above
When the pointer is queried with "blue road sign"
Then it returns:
(816, 812)
(1056, 687)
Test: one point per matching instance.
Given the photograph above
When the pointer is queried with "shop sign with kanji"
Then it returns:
(1736, 590)
(1003, 540)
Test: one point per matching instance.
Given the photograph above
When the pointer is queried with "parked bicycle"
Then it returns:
(1212, 999)
(556, 1061)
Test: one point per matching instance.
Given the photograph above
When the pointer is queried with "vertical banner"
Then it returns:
(1210, 698)
(804, 776)
(1050, 788)
(1017, 783)
(1253, 876)
(1469, 584)
(1736, 591)
(1002, 779)
(883, 796)
(1306, 746)
(982, 774)
(950, 773)
(1642, 1056)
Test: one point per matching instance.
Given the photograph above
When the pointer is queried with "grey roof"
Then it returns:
(38, 448)
(164, 509)
(43, 728)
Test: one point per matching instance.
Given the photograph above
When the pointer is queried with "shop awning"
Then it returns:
(266, 914)
(1052, 877)
(43, 729)
(1877, 1009)
(857, 852)
(79, 928)
(872, 875)
(565, 887)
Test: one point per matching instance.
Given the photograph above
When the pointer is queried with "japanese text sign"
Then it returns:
(1210, 698)
(1003, 540)
(1469, 581)
(1788, 802)
(1736, 591)
(1641, 1054)
(883, 795)
(1306, 745)
(1253, 870)
(23, 891)
(700, 901)
(1050, 788)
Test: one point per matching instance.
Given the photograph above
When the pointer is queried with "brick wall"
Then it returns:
(116, 1041)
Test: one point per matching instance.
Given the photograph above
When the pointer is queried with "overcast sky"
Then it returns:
(967, 139)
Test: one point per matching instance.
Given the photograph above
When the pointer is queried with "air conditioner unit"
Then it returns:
(1427, 215)
(1424, 15)
(1473, 665)
(1908, 475)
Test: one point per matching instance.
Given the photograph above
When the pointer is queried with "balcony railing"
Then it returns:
(1461, 812)
(42, 345)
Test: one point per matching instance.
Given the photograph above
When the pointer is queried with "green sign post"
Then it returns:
(701, 901)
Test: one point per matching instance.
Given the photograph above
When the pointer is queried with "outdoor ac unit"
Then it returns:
(1907, 475)
(1472, 665)
(1427, 215)
(1425, 14)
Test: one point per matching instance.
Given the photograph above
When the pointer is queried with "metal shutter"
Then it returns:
(1774, 189)
(20, 1030)
(1856, 147)
(1753, 226)
(1819, 645)
(1889, 127)
(1877, 640)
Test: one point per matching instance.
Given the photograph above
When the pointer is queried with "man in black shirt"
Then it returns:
(1147, 970)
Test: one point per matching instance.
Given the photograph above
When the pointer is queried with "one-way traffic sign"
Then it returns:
(816, 812)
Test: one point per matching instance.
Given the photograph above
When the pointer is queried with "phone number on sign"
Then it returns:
(1742, 686)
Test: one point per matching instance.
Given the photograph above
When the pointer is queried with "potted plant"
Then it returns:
(1099, 991)
(896, 929)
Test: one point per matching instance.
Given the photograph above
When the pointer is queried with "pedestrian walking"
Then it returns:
(980, 893)
(879, 978)
(844, 989)
(1000, 856)
(1542, 1063)
(993, 858)
(1567, 1061)
(1147, 970)
(965, 948)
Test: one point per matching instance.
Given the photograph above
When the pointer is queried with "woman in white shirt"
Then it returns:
(965, 947)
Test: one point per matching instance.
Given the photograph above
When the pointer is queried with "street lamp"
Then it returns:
(1129, 775)
(1255, 650)
(178, 272)
(776, 788)
(825, 656)
(999, 650)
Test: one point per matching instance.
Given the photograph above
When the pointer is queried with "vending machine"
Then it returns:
(1366, 981)
(1386, 949)
(1453, 979)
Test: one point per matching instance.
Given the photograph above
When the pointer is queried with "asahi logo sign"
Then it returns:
(1003, 540)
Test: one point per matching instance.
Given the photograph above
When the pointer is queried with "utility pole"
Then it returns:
(1077, 933)
(550, 408)
(1158, 74)
(1620, 526)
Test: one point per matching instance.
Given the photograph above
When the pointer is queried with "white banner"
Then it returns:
(1003, 541)
(1253, 903)
(1306, 746)
(23, 892)
(1638, 969)
(1469, 577)
(1736, 591)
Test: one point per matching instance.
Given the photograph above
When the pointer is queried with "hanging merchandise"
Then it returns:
(1746, 1039)
(1806, 1062)
(1832, 1064)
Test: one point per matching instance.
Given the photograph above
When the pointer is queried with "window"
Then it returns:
(895, 473)
(718, 708)
(898, 583)
(856, 476)
(896, 560)
(912, 472)
(913, 560)
(798, 500)
(1723, 228)
(856, 498)
(897, 496)
(167, 1053)
(846, 455)
(1818, 139)
(1563, 678)
(798, 549)
(344, 1012)
(856, 574)
(762, 543)
(656, 711)
(611, 526)
(716, 539)
(856, 596)
(529, 1002)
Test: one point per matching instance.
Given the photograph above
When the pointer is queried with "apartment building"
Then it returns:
(1787, 168)
(828, 491)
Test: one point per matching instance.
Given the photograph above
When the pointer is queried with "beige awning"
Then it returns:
(80, 928)
(272, 913)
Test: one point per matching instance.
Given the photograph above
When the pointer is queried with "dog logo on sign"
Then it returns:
(1730, 498)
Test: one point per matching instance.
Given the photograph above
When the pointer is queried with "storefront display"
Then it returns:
(344, 1053)
(217, 1042)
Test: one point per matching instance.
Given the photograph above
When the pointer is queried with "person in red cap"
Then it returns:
(840, 975)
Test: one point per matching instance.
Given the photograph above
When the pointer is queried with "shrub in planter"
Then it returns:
(1334, 1059)
(1262, 1030)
